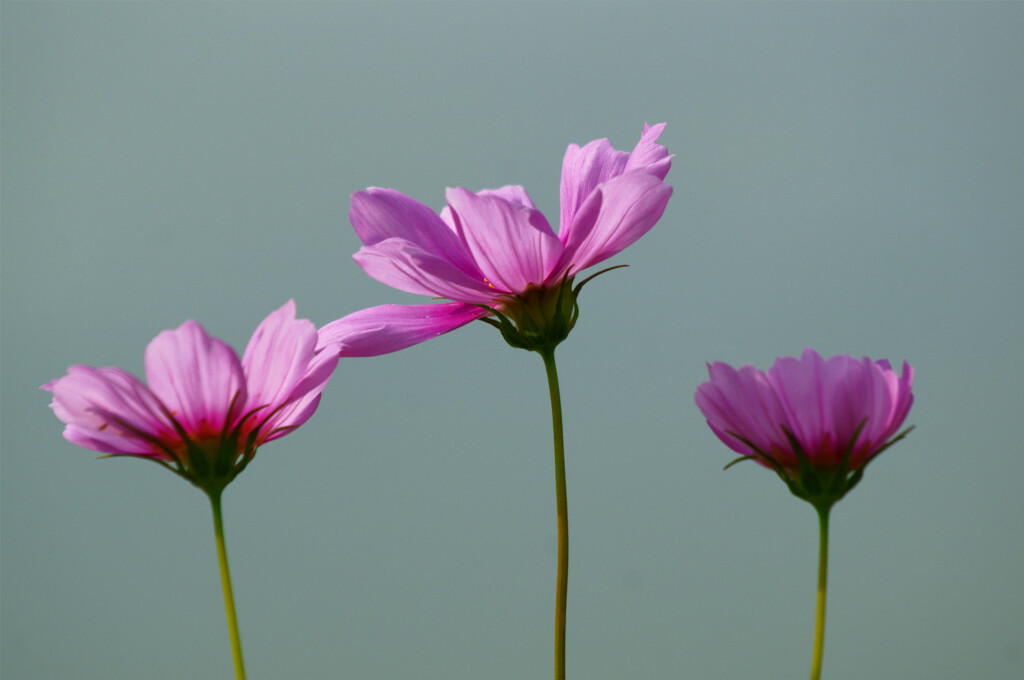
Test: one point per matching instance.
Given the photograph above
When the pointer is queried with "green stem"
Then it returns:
(819, 623)
(225, 582)
(563, 513)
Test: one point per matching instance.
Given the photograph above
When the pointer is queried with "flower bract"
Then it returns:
(202, 412)
(494, 254)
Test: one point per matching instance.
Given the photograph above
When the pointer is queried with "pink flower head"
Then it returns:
(493, 253)
(816, 422)
(204, 411)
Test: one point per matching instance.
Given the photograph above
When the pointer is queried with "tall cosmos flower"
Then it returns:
(204, 411)
(495, 255)
(817, 423)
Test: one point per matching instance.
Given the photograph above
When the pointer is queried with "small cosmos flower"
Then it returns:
(203, 412)
(816, 422)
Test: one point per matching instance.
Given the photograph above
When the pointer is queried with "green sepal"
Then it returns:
(578, 288)
(738, 460)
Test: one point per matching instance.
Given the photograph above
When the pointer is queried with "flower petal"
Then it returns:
(380, 214)
(276, 360)
(648, 155)
(904, 397)
(389, 328)
(887, 399)
(197, 377)
(406, 266)
(512, 244)
(110, 410)
(742, 402)
(584, 169)
(513, 193)
(304, 398)
(614, 216)
(800, 387)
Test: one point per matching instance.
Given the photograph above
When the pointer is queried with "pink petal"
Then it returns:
(305, 397)
(110, 410)
(904, 397)
(584, 169)
(798, 382)
(742, 402)
(648, 155)
(389, 328)
(614, 216)
(513, 193)
(276, 360)
(405, 266)
(842, 388)
(380, 214)
(197, 377)
(889, 404)
(512, 244)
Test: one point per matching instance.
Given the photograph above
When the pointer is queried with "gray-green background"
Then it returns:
(847, 176)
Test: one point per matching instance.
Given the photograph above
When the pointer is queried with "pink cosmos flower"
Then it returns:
(816, 422)
(493, 253)
(204, 412)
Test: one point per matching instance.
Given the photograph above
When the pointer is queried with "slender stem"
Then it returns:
(563, 513)
(225, 582)
(819, 623)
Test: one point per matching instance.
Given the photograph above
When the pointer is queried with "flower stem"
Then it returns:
(819, 624)
(563, 513)
(225, 582)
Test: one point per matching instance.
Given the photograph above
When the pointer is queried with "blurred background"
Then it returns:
(847, 177)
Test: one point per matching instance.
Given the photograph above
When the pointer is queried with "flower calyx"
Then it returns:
(209, 460)
(821, 486)
(539, 318)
